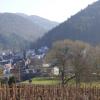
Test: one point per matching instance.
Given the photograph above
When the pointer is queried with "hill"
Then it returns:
(84, 26)
(42, 22)
(13, 41)
(12, 23)
(46, 24)
(18, 31)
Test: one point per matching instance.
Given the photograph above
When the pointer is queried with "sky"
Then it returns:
(55, 10)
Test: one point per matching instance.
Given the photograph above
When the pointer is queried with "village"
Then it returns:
(26, 65)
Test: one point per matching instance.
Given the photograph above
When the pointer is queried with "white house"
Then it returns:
(55, 70)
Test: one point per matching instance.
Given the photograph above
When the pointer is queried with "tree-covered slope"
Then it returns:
(17, 31)
(42, 22)
(13, 41)
(85, 26)
(11, 23)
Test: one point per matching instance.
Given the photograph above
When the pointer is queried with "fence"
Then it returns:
(48, 92)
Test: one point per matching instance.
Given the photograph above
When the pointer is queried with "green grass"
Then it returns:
(52, 81)
(43, 81)
(92, 84)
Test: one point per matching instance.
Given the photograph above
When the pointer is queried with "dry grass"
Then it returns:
(48, 92)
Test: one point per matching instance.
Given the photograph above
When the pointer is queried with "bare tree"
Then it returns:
(70, 53)
(95, 60)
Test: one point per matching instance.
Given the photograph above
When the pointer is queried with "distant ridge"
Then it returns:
(18, 31)
(11, 23)
(42, 22)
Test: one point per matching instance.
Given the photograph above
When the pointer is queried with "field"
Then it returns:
(52, 81)
(43, 81)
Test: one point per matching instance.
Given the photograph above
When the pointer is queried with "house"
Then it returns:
(45, 65)
(55, 70)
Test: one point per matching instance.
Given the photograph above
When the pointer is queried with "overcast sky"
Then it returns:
(56, 10)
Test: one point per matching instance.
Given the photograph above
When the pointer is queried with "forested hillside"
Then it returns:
(85, 26)
(19, 31)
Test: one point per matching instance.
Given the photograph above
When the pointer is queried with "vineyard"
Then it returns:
(49, 92)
